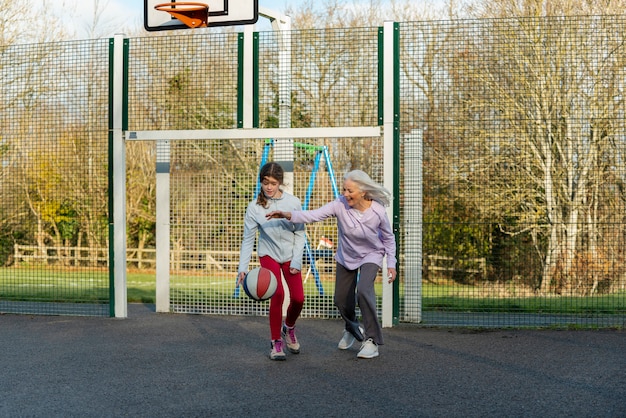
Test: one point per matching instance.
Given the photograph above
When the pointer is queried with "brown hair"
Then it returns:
(273, 170)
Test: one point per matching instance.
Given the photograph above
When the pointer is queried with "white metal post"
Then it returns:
(413, 160)
(119, 181)
(388, 135)
(163, 226)
(283, 147)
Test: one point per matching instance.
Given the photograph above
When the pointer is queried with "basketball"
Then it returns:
(260, 283)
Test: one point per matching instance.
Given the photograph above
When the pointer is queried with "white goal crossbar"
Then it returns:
(274, 133)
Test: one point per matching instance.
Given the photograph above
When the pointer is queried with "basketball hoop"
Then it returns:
(192, 14)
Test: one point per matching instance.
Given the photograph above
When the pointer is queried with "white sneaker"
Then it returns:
(369, 349)
(289, 335)
(346, 340)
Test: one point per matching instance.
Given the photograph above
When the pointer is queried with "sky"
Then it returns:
(126, 16)
(119, 15)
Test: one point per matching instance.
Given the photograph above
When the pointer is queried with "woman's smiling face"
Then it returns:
(354, 196)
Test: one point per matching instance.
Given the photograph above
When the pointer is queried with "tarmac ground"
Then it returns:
(175, 365)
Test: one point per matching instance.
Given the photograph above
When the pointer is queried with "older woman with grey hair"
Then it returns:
(365, 238)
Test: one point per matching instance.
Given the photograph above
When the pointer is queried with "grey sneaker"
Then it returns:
(346, 340)
(289, 335)
(277, 352)
(369, 349)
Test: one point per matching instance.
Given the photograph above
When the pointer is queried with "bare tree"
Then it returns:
(546, 95)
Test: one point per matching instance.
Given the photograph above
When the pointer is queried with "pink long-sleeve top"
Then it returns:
(364, 237)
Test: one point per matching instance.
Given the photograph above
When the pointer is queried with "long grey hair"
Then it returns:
(372, 190)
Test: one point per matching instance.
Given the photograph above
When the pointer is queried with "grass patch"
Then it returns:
(91, 286)
(468, 298)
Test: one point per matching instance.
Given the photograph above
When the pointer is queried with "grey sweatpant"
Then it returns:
(348, 293)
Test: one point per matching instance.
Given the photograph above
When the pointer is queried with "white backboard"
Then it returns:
(221, 13)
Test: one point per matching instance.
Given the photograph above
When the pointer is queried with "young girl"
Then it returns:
(365, 237)
(280, 249)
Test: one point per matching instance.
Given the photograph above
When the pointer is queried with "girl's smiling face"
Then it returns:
(271, 187)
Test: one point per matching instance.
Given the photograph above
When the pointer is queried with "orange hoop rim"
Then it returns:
(191, 13)
(187, 6)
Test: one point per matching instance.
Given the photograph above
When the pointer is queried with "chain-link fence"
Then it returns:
(522, 127)
(509, 188)
(54, 181)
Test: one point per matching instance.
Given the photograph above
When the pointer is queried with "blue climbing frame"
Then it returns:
(319, 151)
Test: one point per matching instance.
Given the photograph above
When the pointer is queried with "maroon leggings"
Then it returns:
(296, 296)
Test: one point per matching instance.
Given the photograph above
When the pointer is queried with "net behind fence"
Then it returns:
(212, 184)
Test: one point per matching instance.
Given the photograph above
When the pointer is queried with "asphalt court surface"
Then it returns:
(173, 365)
